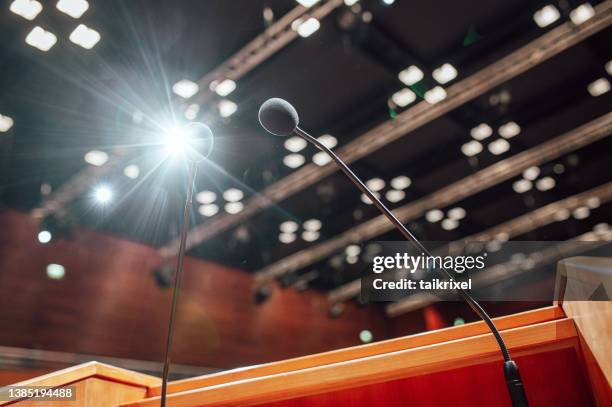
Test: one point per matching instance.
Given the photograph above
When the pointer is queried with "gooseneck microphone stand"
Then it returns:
(511, 372)
(178, 276)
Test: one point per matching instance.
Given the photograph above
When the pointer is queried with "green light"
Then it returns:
(55, 271)
(458, 321)
(366, 336)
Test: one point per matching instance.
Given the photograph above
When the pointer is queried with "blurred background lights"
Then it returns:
(74, 8)
(545, 184)
(403, 97)
(458, 321)
(313, 224)
(599, 87)
(84, 36)
(310, 235)
(481, 132)
(27, 9)
(366, 336)
(531, 173)
(609, 67)
(44, 236)
(471, 148)
(103, 194)
(5, 123)
(233, 207)
(457, 213)
(498, 146)
(308, 3)
(289, 226)
(96, 158)
(395, 195)
(366, 200)
(185, 88)
(449, 224)
(445, 73)
(308, 27)
(176, 140)
(352, 250)
(208, 210)
(294, 160)
(225, 87)
(227, 108)
(375, 184)
(521, 186)
(286, 237)
(509, 130)
(233, 195)
(206, 197)
(41, 39)
(410, 75)
(435, 95)
(434, 215)
(321, 158)
(328, 140)
(295, 144)
(401, 182)
(582, 13)
(581, 212)
(56, 271)
(131, 171)
(546, 16)
(191, 112)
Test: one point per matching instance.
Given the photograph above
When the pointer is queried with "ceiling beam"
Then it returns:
(541, 49)
(492, 175)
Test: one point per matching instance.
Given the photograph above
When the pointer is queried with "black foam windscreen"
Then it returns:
(278, 117)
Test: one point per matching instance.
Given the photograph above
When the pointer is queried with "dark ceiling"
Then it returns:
(69, 100)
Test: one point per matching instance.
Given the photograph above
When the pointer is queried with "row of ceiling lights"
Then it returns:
(394, 194)
(483, 131)
(310, 230)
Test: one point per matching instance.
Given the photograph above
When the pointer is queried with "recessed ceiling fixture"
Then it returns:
(208, 210)
(44, 236)
(310, 235)
(74, 8)
(403, 97)
(521, 186)
(434, 215)
(509, 130)
(308, 3)
(289, 226)
(395, 195)
(294, 160)
(185, 88)
(321, 158)
(435, 95)
(471, 148)
(233, 195)
(531, 173)
(401, 182)
(84, 36)
(481, 132)
(375, 184)
(27, 9)
(206, 197)
(498, 146)
(449, 224)
(5, 123)
(411, 75)
(295, 144)
(582, 13)
(286, 237)
(609, 67)
(131, 171)
(546, 16)
(96, 158)
(599, 87)
(227, 108)
(352, 250)
(306, 28)
(313, 224)
(328, 140)
(456, 213)
(191, 112)
(233, 207)
(56, 271)
(103, 194)
(582, 212)
(545, 184)
(445, 73)
(366, 200)
(41, 39)
(224, 87)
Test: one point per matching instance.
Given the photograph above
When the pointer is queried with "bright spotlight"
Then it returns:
(103, 194)
(176, 140)
(193, 141)
(44, 236)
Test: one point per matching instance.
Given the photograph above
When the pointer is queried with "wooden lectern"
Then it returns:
(563, 351)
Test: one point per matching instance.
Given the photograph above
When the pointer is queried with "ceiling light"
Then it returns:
(206, 197)
(45, 188)
(546, 16)
(601, 228)
(294, 160)
(227, 108)
(546, 183)
(366, 200)
(352, 250)
(295, 144)
(289, 226)
(582, 13)
(308, 27)
(531, 173)
(561, 215)
(404, 97)
(225, 87)
(131, 171)
(509, 130)
(434, 215)
(481, 132)
(352, 259)
(176, 140)
(435, 95)
(521, 186)
(593, 202)
(401, 182)
(27, 9)
(375, 184)
(582, 212)
(44, 236)
(471, 148)
(350, 2)
(233, 207)
(499, 146)
(56, 271)
(609, 67)
(96, 157)
(84, 36)
(388, 2)
(310, 235)
(321, 158)
(5, 123)
(74, 8)
(185, 88)
(449, 224)
(233, 195)
(208, 210)
(103, 194)
(457, 213)
(307, 3)
(395, 195)
(286, 237)
(328, 140)
(444, 74)
(410, 75)
(41, 39)
(191, 113)
(599, 87)
(312, 224)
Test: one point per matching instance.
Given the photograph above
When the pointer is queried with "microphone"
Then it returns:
(279, 117)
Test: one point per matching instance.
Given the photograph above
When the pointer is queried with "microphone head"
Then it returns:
(278, 117)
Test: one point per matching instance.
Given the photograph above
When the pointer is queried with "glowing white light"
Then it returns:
(328, 140)
(74, 8)
(457, 213)
(401, 182)
(609, 67)
(521, 186)
(310, 235)
(471, 148)
(352, 259)
(227, 108)
(208, 210)
(435, 95)
(191, 112)
(599, 87)
(308, 27)
(561, 215)
(308, 3)
(27, 9)
(444, 74)
(546, 16)
(84, 36)
(531, 173)
(593, 202)
(434, 215)
(410, 75)
(352, 250)
(44, 236)
(185, 88)
(546, 183)
(96, 158)
(137, 116)
(176, 140)
(582, 13)
(103, 194)
(41, 39)
(225, 87)
(295, 144)
(509, 130)
(131, 171)
(286, 238)
(375, 184)
(5, 123)
(289, 226)
(449, 224)
(395, 195)
(56, 271)
(366, 200)
(499, 146)
(388, 2)
(481, 132)
(294, 160)
(582, 212)
(312, 224)
(404, 97)
(233, 207)
(350, 2)
(206, 197)
(233, 195)
(321, 158)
